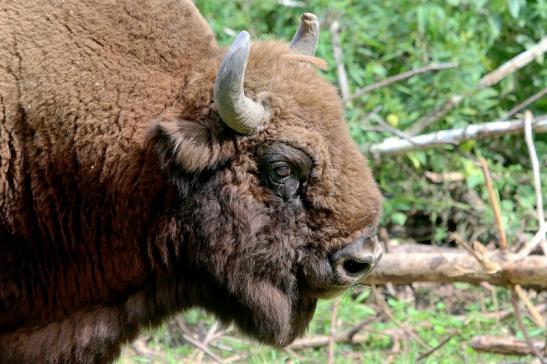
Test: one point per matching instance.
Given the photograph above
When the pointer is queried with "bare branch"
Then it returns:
(392, 146)
(435, 116)
(525, 104)
(387, 312)
(533, 243)
(514, 64)
(537, 179)
(195, 342)
(441, 344)
(402, 76)
(339, 59)
(522, 327)
(493, 196)
(534, 312)
(489, 79)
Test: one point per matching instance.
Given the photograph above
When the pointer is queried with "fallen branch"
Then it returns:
(392, 146)
(343, 337)
(446, 266)
(503, 345)
(402, 76)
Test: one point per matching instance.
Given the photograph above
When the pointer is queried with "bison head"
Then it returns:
(276, 207)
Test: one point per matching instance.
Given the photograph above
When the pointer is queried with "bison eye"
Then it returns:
(281, 169)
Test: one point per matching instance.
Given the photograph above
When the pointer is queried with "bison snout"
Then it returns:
(353, 262)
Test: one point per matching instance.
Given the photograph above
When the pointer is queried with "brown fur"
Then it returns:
(124, 198)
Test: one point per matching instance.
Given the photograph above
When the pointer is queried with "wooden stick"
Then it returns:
(529, 101)
(533, 243)
(534, 312)
(537, 178)
(514, 64)
(339, 59)
(435, 116)
(402, 76)
(194, 342)
(440, 138)
(441, 344)
(492, 194)
(342, 337)
(453, 265)
(198, 354)
(522, 327)
(387, 312)
(503, 345)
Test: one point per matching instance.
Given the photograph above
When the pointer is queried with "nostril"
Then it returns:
(355, 267)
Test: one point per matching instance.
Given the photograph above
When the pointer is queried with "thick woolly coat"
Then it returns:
(123, 196)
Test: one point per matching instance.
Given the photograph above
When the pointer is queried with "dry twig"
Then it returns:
(435, 116)
(522, 327)
(525, 104)
(441, 344)
(187, 336)
(198, 354)
(402, 76)
(535, 313)
(528, 118)
(387, 312)
(339, 59)
(492, 194)
(514, 64)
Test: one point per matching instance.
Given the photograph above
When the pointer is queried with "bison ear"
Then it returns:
(193, 145)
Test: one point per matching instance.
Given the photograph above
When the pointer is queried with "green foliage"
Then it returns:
(381, 38)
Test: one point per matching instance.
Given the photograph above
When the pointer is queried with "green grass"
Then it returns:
(433, 313)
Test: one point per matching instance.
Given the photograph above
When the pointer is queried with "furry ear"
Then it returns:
(193, 145)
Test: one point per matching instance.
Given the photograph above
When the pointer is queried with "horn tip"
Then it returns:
(309, 17)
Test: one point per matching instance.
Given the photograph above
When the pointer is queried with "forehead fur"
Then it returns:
(299, 95)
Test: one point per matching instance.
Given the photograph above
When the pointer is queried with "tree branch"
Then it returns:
(392, 146)
(339, 59)
(402, 76)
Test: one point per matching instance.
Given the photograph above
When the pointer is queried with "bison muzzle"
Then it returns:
(145, 170)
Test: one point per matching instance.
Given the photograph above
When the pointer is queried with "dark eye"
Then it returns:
(281, 169)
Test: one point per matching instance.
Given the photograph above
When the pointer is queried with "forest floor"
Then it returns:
(422, 323)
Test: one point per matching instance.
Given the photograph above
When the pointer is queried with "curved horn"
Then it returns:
(306, 37)
(238, 112)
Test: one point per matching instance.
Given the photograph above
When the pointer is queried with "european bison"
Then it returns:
(145, 170)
